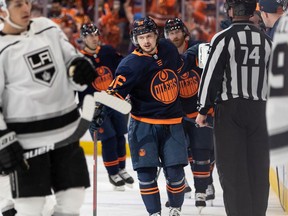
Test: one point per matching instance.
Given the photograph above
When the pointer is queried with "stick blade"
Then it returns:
(113, 102)
(88, 108)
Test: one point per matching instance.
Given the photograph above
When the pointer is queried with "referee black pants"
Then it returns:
(242, 156)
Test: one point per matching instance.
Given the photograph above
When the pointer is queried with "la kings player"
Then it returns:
(37, 109)
(6, 204)
(277, 103)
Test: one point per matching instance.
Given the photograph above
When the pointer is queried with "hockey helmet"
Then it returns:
(173, 24)
(142, 26)
(241, 7)
(283, 3)
(6, 18)
(89, 28)
(3, 4)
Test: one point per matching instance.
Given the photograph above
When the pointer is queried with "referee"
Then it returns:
(235, 79)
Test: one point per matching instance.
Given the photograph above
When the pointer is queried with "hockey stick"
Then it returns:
(278, 187)
(210, 125)
(95, 175)
(86, 118)
(158, 173)
(113, 102)
(88, 109)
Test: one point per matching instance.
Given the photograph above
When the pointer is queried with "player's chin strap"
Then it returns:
(8, 20)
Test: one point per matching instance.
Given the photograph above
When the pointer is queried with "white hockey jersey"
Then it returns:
(277, 103)
(36, 95)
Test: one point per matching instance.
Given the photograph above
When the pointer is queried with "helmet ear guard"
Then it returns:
(3, 4)
(133, 40)
(3, 7)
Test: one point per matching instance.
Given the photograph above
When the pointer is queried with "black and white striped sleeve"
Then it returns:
(236, 67)
(212, 76)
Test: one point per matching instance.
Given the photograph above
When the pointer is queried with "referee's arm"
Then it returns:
(213, 73)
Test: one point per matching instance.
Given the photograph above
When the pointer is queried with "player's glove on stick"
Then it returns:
(11, 153)
(82, 71)
(99, 117)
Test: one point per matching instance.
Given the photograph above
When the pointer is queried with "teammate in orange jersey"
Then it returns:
(156, 136)
(112, 131)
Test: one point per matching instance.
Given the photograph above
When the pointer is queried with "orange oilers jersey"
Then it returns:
(152, 83)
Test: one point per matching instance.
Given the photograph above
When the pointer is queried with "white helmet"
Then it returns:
(3, 4)
(3, 7)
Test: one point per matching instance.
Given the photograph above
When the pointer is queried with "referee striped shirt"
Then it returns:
(237, 66)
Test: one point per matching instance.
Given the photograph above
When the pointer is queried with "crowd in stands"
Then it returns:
(114, 17)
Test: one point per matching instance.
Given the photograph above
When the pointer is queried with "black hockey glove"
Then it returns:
(99, 117)
(11, 153)
(82, 71)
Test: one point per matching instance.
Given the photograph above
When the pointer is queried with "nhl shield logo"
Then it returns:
(41, 65)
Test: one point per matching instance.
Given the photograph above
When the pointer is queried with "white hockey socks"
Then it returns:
(69, 202)
(32, 206)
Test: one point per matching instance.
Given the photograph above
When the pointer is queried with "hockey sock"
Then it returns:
(69, 201)
(121, 149)
(23, 205)
(110, 156)
(201, 169)
(175, 185)
(149, 189)
(212, 165)
(190, 159)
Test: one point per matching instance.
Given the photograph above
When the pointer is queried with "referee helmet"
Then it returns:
(241, 7)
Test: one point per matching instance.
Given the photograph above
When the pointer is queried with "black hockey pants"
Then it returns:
(242, 156)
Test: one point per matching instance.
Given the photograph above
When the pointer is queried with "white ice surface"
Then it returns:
(129, 202)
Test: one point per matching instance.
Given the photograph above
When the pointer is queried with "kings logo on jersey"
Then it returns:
(41, 66)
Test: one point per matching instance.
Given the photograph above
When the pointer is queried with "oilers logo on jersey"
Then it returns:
(41, 65)
(164, 86)
(105, 77)
(189, 84)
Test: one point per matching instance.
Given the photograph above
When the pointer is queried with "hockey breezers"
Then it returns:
(87, 115)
